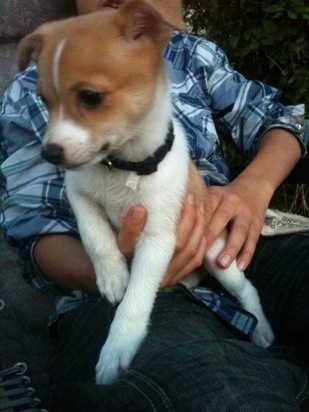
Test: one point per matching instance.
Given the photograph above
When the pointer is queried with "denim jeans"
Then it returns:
(280, 271)
(191, 361)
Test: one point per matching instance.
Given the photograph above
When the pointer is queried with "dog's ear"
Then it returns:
(29, 49)
(138, 19)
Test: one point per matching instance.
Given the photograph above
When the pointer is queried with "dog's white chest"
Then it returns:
(119, 192)
(114, 190)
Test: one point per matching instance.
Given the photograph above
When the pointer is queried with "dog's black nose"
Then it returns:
(53, 153)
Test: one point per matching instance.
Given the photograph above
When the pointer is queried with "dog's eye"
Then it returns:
(90, 99)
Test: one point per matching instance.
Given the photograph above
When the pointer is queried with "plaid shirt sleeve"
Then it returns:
(33, 198)
(211, 98)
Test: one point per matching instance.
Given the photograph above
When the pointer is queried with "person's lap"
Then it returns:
(190, 359)
(280, 271)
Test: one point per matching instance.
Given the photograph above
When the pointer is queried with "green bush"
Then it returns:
(264, 40)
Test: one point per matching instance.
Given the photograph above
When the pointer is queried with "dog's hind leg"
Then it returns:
(235, 282)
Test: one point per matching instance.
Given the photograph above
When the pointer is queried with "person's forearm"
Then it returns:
(63, 260)
(278, 153)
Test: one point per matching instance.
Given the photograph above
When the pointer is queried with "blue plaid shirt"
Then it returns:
(209, 98)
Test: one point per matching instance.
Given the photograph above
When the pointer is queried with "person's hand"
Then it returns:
(240, 207)
(191, 242)
(133, 224)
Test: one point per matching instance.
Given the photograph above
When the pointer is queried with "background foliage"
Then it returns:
(264, 40)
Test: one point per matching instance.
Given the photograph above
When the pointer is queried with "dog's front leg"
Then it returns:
(101, 245)
(129, 327)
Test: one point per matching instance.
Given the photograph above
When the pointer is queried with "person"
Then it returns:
(193, 358)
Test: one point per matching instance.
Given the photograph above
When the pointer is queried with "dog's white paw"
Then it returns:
(263, 334)
(115, 357)
(112, 280)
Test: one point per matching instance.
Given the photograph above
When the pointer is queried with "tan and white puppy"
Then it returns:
(103, 78)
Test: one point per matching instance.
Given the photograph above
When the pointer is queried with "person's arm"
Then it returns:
(267, 132)
(64, 262)
(245, 110)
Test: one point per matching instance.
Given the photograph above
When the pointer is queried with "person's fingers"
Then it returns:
(133, 224)
(221, 216)
(236, 239)
(180, 267)
(243, 233)
(248, 249)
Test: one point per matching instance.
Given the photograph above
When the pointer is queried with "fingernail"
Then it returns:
(190, 199)
(241, 265)
(137, 216)
(225, 260)
(202, 210)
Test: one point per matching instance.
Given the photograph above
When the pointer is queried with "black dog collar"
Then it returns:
(148, 165)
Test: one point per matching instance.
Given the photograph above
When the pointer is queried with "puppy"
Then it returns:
(112, 129)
